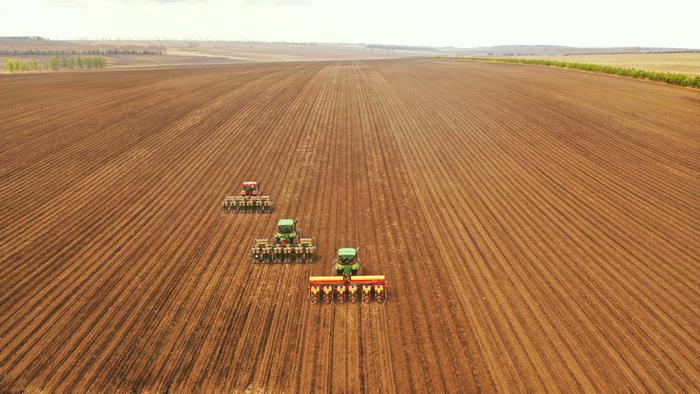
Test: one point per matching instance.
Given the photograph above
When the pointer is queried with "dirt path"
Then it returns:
(538, 227)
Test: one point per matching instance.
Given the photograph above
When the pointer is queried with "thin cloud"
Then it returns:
(278, 2)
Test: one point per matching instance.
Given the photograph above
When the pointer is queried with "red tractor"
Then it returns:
(249, 200)
(250, 189)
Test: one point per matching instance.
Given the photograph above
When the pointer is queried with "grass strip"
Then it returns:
(671, 78)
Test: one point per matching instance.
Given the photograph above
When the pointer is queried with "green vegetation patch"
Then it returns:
(672, 78)
(55, 63)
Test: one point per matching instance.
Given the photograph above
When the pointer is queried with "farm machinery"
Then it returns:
(346, 285)
(250, 199)
(287, 245)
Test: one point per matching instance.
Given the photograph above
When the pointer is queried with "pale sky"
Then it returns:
(589, 23)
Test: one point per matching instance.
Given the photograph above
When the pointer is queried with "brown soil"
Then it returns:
(538, 227)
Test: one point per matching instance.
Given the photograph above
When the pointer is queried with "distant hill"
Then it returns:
(526, 50)
(541, 50)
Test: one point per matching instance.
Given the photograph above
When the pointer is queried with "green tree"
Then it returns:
(55, 63)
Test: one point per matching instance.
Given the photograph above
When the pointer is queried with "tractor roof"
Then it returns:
(250, 183)
(286, 222)
(347, 252)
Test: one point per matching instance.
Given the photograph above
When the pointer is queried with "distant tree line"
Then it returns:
(22, 38)
(399, 47)
(92, 51)
(55, 63)
(37, 46)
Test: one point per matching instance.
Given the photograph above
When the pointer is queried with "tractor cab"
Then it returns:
(286, 231)
(249, 189)
(347, 263)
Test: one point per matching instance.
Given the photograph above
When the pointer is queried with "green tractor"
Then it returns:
(287, 245)
(286, 232)
(347, 264)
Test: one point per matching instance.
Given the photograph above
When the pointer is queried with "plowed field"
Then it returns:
(539, 229)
